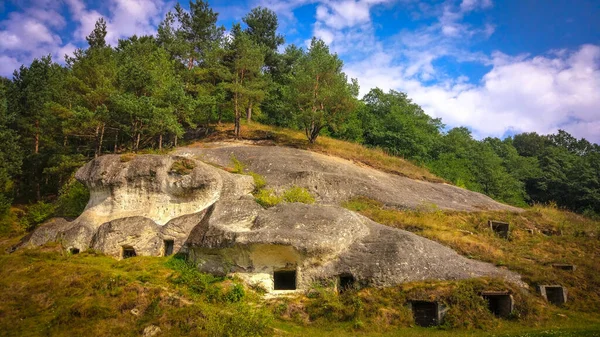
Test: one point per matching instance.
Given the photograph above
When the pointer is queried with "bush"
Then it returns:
(72, 199)
(235, 294)
(298, 194)
(189, 276)
(267, 198)
(36, 214)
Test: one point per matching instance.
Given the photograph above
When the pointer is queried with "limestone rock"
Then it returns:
(334, 180)
(141, 203)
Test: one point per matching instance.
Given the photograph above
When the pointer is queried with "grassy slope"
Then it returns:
(270, 135)
(45, 291)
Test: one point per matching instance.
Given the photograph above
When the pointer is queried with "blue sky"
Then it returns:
(498, 67)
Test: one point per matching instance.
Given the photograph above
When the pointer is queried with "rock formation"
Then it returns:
(146, 202)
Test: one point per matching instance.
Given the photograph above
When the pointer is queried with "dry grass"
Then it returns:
(530, 254)
(376, 158)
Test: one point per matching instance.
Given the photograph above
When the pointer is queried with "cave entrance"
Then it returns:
(500, 228)
(346, 282)
(284, 280)
(499, 303)
(555, 295)
(74, 251)
(169, 247)
(425, 313)
(128, 252)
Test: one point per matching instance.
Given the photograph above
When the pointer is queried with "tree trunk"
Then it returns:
(97, 141)
(65, 141)
(236, 129)
(249, 113)
(137, 142)
(101, 139)
(160, 141)
(175, 141)
(116, 141)
(37, 136)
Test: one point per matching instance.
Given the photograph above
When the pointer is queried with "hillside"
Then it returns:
(47, 291)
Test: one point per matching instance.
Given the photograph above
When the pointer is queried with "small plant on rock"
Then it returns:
(298, 194)
(182, 167)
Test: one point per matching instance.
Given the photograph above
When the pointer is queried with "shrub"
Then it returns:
(267, 198)
(72, 199)
(298, 194)
(238, 166)
(189, 276)
(235, 294)
(259, 181)
(36, 214)
(182, 167)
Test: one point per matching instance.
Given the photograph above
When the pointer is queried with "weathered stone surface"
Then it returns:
(323, 242)
(211, 215)
(333, 180)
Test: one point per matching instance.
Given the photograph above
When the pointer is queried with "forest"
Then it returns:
(149, 93)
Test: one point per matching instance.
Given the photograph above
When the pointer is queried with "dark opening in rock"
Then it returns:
(499, 303)
(128, 252)
(564, 266)
(500, 228)
(284, 280)
(169, 247)
(346, 282)
(555, 295)
(74, 251)
(425, 313)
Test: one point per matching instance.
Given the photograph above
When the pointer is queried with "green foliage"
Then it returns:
(72, 199)
(182, 166)
(235, 294)
(298, 194)
(36, 214)
(267, 198)
(189, 277)
(241, 320)
(238, 166)
(319, 90)
(259, 181)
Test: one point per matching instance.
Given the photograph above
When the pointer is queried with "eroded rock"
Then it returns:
(142, 206)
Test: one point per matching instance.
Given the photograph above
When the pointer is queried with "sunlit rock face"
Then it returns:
(153, 205)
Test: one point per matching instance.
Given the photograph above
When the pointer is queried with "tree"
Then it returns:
(320, 91)
(10, 152)
(189, 35)
(262, 30)
(97, 39)
(150, 91)
(246, 62)
(393, 122)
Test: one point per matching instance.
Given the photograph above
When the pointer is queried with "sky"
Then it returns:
(497, 67)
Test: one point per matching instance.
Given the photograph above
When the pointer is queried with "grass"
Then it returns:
(374, 157)
(531, 255)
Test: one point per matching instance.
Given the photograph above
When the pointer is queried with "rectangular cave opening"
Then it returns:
(425, 313)
(74, 251)
(169, 247)
(555, 295)
(346, 282)
(284, 279)
(500, 304)
(564, 266)
(128, 252)
(500, 228)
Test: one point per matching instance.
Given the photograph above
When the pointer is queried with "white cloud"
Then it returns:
(8, 65)
(542, 93)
